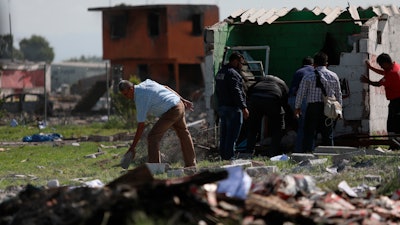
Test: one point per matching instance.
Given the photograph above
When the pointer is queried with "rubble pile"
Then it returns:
(207, 197)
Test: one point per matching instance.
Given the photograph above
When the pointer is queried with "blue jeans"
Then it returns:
(231, 121)
(300, 123)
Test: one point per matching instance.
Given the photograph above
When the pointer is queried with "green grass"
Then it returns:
(42, 162)
(37, 163)
(67, 131)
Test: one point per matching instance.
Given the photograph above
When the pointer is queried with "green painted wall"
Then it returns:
(220, 39)
(289, 42)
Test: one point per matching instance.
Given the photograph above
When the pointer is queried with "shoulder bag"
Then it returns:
(332, 108)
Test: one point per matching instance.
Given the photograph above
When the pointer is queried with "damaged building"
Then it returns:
(281, 38)
(161, 42)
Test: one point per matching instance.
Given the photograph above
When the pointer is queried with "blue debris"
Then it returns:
(42, 137)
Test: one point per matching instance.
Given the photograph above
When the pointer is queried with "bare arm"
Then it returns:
(376, 70)
(188, 104)
(365, 79)
(138, 134)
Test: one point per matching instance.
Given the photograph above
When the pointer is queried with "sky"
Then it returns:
(73, 31)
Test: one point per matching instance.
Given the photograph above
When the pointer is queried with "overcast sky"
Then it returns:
(73, 31)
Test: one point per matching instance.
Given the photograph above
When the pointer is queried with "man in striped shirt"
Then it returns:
(315, 120)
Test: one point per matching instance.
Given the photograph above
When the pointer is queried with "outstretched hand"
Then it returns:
(367, 62)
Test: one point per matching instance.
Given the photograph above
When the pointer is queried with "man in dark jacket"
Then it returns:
(306, 68)
(232, 106)
(267, 97)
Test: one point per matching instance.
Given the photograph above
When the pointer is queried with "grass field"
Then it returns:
(68, 161)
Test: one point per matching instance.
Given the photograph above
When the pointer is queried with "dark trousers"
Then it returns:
(393, 121)
(316, 122)
(271, 108)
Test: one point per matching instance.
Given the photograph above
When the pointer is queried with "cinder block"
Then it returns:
(313, 162)
(156, 168)
(175, 173)
(332, 150)
(239, 162)
(298, 157)
(189, 171)
(99, 138)
(261, 170)
(363, 43)
(373, 178)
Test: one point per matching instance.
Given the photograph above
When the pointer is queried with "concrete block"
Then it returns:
(175, 173)
(120, 136)
(363, 43)
(334, 150)
(188, 171)
(373, 178)
(239, 162)
(313, 162)
(261, 170)
(298, 157)
(99, 138)
(156, 168)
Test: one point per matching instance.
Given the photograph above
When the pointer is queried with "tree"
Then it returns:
(6, 46)
(36, 49)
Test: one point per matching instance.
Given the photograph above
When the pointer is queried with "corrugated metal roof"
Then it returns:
(262, 16)
(388, 10)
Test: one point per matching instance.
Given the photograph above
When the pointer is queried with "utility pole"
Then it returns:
(11, 37)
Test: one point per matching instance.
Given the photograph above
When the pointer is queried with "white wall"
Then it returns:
(366, 107)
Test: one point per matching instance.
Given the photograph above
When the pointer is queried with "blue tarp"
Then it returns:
(42, 137)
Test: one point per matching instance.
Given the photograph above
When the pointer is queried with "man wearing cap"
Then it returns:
(161, 101)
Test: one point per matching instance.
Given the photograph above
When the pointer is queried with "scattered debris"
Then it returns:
(224, 196)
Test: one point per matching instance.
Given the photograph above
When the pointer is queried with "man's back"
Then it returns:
(154, 98)
(298, 76)
(269, 86)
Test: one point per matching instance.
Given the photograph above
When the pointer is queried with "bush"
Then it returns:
(125, 109)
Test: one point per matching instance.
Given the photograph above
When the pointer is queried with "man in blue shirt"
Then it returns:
(229, 88)
(161, 101)
(307, 68)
